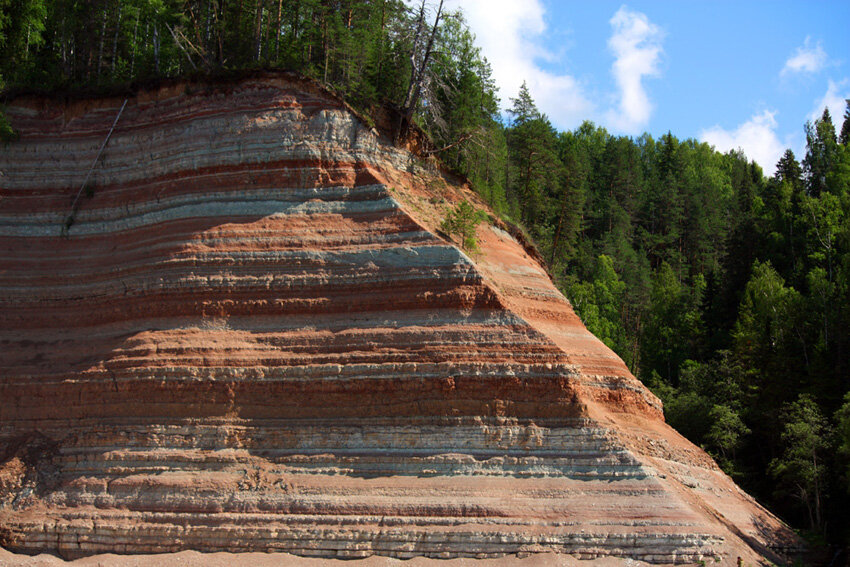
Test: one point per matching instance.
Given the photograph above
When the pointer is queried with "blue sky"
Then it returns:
(742, 73)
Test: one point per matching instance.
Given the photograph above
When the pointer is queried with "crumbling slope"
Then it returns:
(251, 338)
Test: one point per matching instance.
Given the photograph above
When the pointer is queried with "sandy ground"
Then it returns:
(194, 558)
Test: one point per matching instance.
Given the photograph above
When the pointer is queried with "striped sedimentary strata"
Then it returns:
(249, 336)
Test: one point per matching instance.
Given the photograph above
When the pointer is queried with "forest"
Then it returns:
(727, 292)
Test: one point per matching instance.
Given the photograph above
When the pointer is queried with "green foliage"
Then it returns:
(842, 431)
(462, 221)
(766, 314)
(7, 133)
(22, 26)
(844, 137)
(598, 302)
(363, 48)
(524, 108)
(674, 323)
(727, 293)
(533, 165)
(375, 53)
(706, 407)
(788, 169)
(726, 431)
(800, 470)
(720, 379)
(688, 413)
(821, 152)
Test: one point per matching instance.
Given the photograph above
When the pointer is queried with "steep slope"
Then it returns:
(251, 338)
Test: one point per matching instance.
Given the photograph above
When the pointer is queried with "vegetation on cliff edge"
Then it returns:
(726, 291)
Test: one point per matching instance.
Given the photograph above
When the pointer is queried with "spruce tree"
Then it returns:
(821, 152)
(844, 137)
(788, 169)
(523, 108)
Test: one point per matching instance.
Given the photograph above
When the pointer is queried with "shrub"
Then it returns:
(462, 221)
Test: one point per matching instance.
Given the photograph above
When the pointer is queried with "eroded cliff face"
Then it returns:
(252, 338)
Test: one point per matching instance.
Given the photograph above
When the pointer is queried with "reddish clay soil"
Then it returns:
(251, 336)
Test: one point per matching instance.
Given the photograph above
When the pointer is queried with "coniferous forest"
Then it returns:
(725, 291)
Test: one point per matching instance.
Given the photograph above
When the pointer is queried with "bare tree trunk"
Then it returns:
(115, 41)
(310, 43)
(196, 27)
(427, 57)
(348, 49)
(527, 183)
(207, 32)
(381, 49)
(179, 44)
(325, 45)
(64, 47)
(258, 27)
(804, 496)
(102, 37)
(277, 30)
(818, 517)
(87, 53)
(155, 48)
(267, 36)
(636, 346)
(133, 55)
(218, 32)
(414, 90)
(557, 238)
(296, 19)
(420, 22)
(237, 26)
(146, 36)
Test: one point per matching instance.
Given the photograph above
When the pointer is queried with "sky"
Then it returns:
(742, 74)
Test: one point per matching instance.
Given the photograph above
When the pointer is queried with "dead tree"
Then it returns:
(419, 59)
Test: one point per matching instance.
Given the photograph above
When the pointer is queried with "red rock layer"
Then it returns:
(250, 338)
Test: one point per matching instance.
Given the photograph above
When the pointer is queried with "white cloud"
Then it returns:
(757, 137)
(636, 45)
(836, 93)
(510, 34)
(806, 59)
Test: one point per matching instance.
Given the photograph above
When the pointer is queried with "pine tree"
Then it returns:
(821, 152)
(535, 167)
(463, 221)
(788, 168)
(844, 138)
(524, 108)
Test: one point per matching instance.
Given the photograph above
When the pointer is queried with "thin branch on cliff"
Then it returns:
(180, 45)
(457, 142)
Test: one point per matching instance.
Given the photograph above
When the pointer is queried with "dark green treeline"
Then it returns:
(420, 61)
(727, 292)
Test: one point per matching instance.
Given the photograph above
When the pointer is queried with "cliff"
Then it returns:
(251, 338)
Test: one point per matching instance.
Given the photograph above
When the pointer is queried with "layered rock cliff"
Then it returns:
(250, 337)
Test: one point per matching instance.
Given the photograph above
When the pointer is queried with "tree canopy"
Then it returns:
(727, 292)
